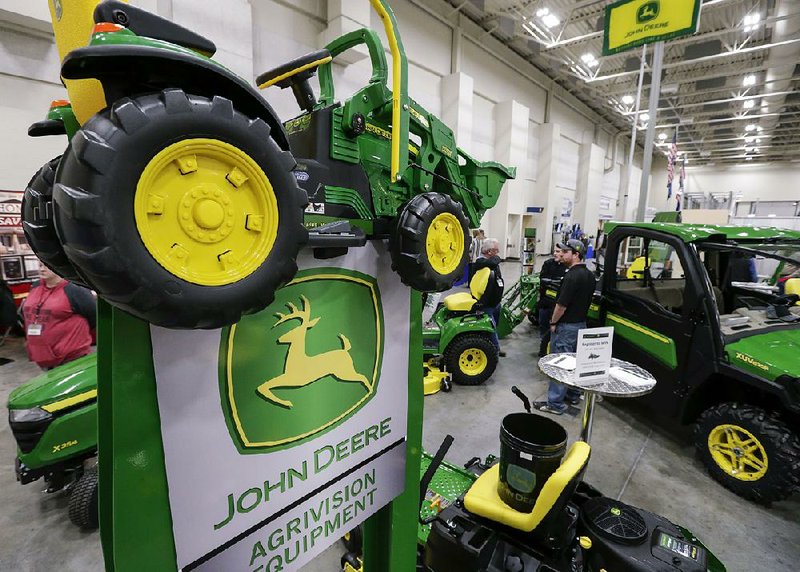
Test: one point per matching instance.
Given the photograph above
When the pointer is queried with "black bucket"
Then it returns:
(531, 449)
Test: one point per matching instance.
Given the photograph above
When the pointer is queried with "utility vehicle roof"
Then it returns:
(708, 232)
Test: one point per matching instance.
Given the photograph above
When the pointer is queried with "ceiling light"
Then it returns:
(759, 128)
(644, 116)
(755, 149)
(662, 136)
(749, 104)
(750, 127)
(749, 159)
(542, 12)
(758, 139)
(749, 80)
(550, 20)
(750, 22)
(749, 139)
(589, 60)
(627, 99)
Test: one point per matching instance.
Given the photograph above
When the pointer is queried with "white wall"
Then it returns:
(254, 36)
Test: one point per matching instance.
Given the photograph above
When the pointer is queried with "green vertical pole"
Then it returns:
(135, 521)
(390, 536)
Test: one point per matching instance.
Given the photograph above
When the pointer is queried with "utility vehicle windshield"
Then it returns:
(755, 284)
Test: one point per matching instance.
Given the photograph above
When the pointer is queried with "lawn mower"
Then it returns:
(466, 526)
(184, 200)
(459, 335)
(53, 418)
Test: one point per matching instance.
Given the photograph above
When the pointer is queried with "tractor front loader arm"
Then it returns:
(126, 69)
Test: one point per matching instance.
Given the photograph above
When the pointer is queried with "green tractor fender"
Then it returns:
(464, 324)
(132, 62)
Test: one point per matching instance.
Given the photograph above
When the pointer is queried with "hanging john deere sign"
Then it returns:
(631, 23)
(287, 429)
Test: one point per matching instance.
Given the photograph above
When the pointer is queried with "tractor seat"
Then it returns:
(792, 286)
(297, 70)
(482, 498)
(143, 23)
(464, 301)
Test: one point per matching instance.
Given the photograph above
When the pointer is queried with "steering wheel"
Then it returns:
(295, 74)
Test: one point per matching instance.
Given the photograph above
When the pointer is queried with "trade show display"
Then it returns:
(277, 294)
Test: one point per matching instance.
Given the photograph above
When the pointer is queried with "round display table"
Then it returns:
(624, 380)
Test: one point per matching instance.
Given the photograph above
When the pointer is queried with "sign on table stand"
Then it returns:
(593, 355)
(255, 447)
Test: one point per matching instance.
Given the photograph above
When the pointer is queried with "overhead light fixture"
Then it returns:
(749, 104)
(627, 99)
(749, 80)
(662, 136)
(759, 128)
(589, 60)
(750, 127)
(755, 149)
(749, 139)
(751, 21)
(749, 159)
(548, 18)
(644, 116)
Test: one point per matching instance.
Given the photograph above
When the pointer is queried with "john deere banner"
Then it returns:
(287, 429)
(631, 23)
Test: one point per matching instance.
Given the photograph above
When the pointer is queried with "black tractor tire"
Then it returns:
(460, 355)
(352, 561)
(353, 541)
(37, 222)
(83, 501)
(780, 443)
(94, 198)
(407, 242)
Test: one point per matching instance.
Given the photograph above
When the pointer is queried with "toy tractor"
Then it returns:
(53, 418)
(181, 197)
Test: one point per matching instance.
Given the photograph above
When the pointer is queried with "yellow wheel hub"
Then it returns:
(738, 452)
(206, 212)
(473, 361)
(444, 243)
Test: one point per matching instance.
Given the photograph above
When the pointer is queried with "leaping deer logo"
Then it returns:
(302, 369)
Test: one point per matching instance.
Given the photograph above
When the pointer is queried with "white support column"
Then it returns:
(548, 196)
(345, 16)
(228, 23)
(590, 187)
(511, 148)
(456, 93)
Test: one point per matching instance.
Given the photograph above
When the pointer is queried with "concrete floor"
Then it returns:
(631, 460)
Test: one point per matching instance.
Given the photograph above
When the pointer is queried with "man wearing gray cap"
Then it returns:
(569, 316)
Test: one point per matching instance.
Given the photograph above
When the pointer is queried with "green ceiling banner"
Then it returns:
(631, 23)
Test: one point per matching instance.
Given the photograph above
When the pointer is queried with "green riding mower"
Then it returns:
(53, 418)
(518, 302)
(460, 335)
(183, 199)
(467, 525)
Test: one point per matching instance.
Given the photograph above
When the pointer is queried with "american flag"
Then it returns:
(671, 158)
(681, 179)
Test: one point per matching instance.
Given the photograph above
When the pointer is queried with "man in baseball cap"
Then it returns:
(569, 316)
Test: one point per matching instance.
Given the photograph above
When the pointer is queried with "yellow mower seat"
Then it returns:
(464, 301)
(791, 286)
(482, 498)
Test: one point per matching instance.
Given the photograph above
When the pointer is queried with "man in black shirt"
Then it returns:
(549, 279)
(569, 316)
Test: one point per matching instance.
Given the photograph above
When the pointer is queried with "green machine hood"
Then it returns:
(768, 355)
(57, 385)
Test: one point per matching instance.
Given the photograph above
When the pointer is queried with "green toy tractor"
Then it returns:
(53, 418)
(183, 198)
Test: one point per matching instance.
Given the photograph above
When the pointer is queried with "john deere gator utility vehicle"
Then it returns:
(181, 198)
(712, 312)
(53, 418)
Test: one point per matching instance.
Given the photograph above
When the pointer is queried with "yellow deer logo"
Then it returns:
(302, 369)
